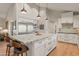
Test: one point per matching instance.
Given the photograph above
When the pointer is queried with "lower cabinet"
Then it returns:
(50, 44)
(42, 47)
(70, 38)
(39, 48)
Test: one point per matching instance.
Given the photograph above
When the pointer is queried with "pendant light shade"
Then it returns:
(38, 15)
(38, 12)
(46, 19)
(46, 9)
(23, 10)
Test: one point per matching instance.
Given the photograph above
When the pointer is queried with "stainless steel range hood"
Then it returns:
(67, 28)
(67, 25)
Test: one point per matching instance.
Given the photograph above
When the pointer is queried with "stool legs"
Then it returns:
(8, 51)
(26, 53)
(21, 54)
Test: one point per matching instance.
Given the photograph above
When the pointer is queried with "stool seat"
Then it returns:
(8, 45)
(20, 48)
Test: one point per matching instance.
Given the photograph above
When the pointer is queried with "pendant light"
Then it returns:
(39, 12)
(46, 9)
(23, 10)
(46, 18)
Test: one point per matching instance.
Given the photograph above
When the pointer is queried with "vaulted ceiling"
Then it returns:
(53, 6)
(61, 6)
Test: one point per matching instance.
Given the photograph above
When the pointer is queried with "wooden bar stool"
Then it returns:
(20, 51)
(9, 45)
(19, 48)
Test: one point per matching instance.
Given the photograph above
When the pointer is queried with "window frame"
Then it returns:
(27, 23)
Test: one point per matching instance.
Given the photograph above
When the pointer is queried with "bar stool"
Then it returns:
(9, 45)
(19, 48)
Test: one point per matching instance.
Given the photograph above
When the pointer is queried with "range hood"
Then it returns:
(67, 28)
(67, 25)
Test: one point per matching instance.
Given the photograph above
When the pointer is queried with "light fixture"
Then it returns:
(46, 9)
(23, 10)
(46, 18)
(38, 16)
(39, 12)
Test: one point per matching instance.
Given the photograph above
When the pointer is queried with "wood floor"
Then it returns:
(62, 49)
(65, 49)
(2, 48)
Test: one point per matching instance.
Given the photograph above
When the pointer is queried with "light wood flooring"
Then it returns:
(62, 49)
(65, 49)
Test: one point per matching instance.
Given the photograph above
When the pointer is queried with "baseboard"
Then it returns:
(67, 42)
(51, 51)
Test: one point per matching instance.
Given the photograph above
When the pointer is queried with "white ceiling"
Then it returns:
(61, 6)
(53, 6)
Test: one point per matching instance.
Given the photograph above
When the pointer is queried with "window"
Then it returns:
(25, 28)
(30, 28)
(22, 28)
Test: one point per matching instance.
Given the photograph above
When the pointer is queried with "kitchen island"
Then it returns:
(39, 45)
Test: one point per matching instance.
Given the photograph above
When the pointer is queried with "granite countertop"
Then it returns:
(30, 37)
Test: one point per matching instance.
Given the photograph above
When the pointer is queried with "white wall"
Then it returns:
(11, 16)
(2, 23)
(53, 17)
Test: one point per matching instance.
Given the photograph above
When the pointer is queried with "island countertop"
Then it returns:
(27, 38)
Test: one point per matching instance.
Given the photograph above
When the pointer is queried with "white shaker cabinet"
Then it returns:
(50, 44)
(70, 38)
(67, 17)
(39, 47)
(43, 46)
(76, 21)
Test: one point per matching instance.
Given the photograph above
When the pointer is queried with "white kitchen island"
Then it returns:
(39, 45)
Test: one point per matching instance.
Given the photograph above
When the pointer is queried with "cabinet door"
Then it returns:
(75, 38)
(51, 43)
(39, 48)
(76, 21)
(46, 45)
(71, 38)
(37, 44)
(39, 51)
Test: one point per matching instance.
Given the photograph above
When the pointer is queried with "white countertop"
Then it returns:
(27, 38)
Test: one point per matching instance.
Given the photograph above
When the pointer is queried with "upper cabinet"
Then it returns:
(67, 17)
(76, 21)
